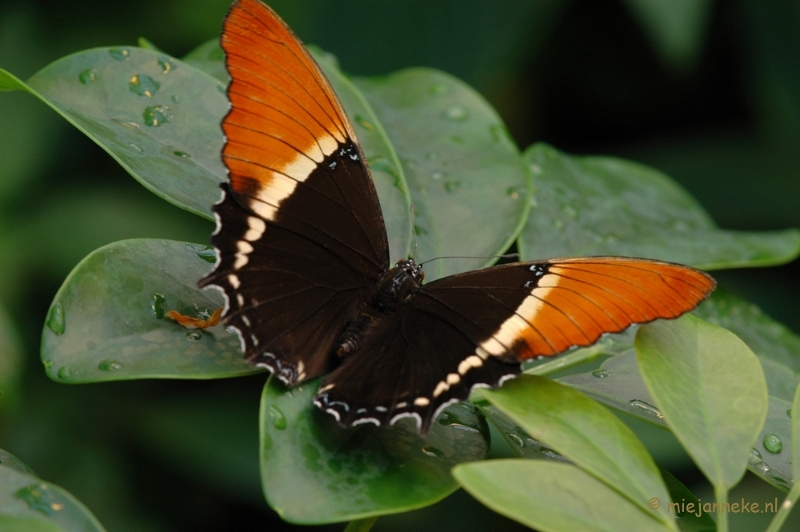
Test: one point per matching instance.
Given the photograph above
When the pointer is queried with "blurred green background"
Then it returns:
(708, 92)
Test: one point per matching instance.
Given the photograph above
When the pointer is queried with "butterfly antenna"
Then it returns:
(413, 230)
(506, 256)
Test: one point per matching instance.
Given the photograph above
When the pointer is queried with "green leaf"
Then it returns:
(29, 504)
(767, 338)
(316, 472)
(106, 321)
(552, 497)
(158, 117)
(685, 506)
(468, 183)
(607, 206)
(676, 28)
(210, 58)
(796, 437)
(584, 432)
(710, 389)
(770, 456)
(387, 172)
(520, 442)
(10, 82)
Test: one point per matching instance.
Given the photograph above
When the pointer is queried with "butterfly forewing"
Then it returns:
(301, 237)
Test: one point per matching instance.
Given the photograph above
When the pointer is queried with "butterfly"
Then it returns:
(303, 260)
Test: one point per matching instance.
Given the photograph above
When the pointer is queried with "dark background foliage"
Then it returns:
(709, 94)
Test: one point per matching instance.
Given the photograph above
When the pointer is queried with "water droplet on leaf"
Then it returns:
(87, 76)
(437, 89)
(143, 85)
(157, 307)
(39, 498)
(277, 417)
(120, 54)
(110, 365)
(773, 443)
(519, 442)
(181, 154)
(600, 373)
(194, 335)
(156, 116)
(136, 148)
(165, 64)
(63, 373)
(452, 186)
(456, 113)
(57, 322)
(432, 451)
(646, 407)
(755, 456)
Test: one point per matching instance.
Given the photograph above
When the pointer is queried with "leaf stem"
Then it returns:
(361, 525)
(786, 507)
(721, 496)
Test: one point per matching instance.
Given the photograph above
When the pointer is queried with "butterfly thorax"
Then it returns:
(393, 288)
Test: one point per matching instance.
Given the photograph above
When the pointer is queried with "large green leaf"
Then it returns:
(27, 504)
(710, 389)
(468, 182)
(586, 433)
(607, 206)
(684, 506)
(157, 116)
(107, 320)
(552, 497)
(316, 472)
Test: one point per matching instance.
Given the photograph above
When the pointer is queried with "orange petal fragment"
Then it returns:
(195, 323)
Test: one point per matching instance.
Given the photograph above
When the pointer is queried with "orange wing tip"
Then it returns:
(195, 323)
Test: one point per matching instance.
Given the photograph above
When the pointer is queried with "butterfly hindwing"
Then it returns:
(473, 329)
(300, 233)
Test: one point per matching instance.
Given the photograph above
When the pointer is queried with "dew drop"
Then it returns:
(437, 89)
(755, 457)
(365, 123)
(194, 335)
(773, 443)
(646, 407)
(156, 116)
(136, 147)
(277, 417)
(165, 64)
(208, 254)
(181, 154)
(600, 373)
(456, 113)
(432, 451)
(120, 54)
(48, 364)
(57, 322)
(143, 85)
(519, 442)
(762, 468)
(512, 192)
(110, 365)
(39, 498)
(452, 186)
(64, 373)
(87, 76)
(157, 307)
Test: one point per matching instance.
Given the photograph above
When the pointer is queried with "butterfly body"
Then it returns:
(303, 260)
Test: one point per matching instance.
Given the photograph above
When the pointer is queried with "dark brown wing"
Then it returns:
(474, 328)
(300, 233)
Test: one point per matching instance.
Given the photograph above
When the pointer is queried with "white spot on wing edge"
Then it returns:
(422, 401)
(400, 416)
(255, 228)
(364, 420)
